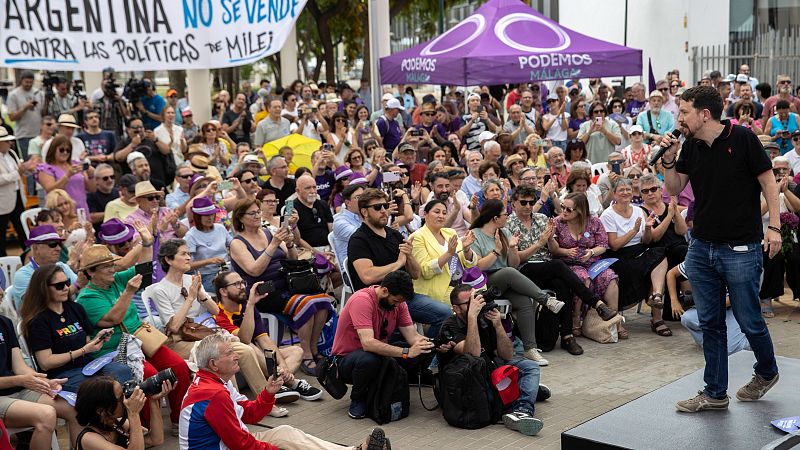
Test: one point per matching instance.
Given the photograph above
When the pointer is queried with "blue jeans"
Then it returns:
(75, 378)
(208, 282)
(424, 309)
(711, 267)
(528, 384)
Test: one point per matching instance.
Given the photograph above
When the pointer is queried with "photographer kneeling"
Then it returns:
(483, 336)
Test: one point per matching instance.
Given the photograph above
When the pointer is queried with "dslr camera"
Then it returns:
(135, 90)
(151, 385)
(444, 337)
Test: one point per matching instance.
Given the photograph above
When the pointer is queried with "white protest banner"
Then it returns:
(142, 34)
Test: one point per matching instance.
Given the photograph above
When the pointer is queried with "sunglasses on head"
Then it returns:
(61, 285)
(651, 190)
(379, 206)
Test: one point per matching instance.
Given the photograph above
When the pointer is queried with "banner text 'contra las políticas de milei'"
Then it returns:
(142, 34)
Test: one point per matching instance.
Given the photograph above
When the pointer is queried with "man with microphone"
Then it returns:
(725, 250)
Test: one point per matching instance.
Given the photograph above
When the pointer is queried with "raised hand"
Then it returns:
(468, 239)
(452, 244)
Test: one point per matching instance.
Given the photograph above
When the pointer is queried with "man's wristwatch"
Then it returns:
(405, 352)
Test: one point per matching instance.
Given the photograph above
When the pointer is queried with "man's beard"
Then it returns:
(385, 305)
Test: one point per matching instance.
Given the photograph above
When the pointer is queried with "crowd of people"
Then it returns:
(545, 192)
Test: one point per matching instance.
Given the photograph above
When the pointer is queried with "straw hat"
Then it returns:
(145, 188)
(96, 255)
(68, 120)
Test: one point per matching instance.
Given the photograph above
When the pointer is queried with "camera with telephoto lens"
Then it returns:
(135, 90)
(50, 79)
(489, 295)
(150, 386)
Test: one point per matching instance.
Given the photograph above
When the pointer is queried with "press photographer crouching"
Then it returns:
(478, 333)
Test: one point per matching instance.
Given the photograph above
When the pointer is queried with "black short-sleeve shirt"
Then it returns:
(457, 329)
(241, 134)
(48, 331)
(8, 340)
(282, 194)
(313, 222)
(724, 179)
(364, 243)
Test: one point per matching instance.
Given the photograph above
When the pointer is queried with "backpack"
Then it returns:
(389, 398)
(546, 329)
(467, 398)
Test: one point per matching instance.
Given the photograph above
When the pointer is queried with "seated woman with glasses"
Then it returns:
(579, 181)
(207, 240)
(59, 171)
(641, 269)
(634, 174)
(59, 333)
(256, 255)
(579, 240)
(111, 420)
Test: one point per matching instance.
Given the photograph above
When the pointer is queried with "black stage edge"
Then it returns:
(651, 422)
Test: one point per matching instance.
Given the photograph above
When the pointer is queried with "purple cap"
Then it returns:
(342, 172)
(42, 234)
(474, 277)
(322, 264)
(115, 232)
(204, 206)
(357, 178)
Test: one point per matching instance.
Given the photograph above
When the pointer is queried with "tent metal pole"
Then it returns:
(625, 42)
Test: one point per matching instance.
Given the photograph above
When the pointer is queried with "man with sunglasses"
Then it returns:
(367, 321)
(178, 199)
(45, 244)
(375, 250)
(162, 222)
(106, 193)
(428, 123)
(783, 88)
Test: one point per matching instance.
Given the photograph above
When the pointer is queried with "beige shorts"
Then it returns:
(24, 395)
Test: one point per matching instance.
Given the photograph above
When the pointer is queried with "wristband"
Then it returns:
(496, 253)
(405, 352)
(775, 229)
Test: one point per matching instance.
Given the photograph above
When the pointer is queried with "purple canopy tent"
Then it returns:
(506, 41)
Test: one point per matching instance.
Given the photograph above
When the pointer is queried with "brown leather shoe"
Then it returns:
(570, 344)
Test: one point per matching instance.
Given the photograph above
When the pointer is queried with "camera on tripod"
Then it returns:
(134, 90)
(50, 79)
(79, 90)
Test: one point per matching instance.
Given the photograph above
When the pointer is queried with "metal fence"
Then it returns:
(769, 53)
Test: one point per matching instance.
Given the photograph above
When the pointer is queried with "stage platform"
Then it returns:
(651, 421)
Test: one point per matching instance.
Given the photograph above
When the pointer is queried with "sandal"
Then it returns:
(656, 300)
(766, 309)
(307, 369)
(657, 328)
(576, 332)
(623, 333)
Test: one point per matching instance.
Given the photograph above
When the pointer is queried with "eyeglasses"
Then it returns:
(634, 176)
(61, 285)
(248, 181)
(796, 138)
(674, 86)
(379, 206)
(636, 133)
(137, 127)
(567, 209)
(428, 113)
(651, 190)
(271, 202)
(527, 202)
(108, 177)
(185, 176)
(253, 214)
(528, 179)
(598, 111)
(51, 244)
(235, 283)
(356, 157)
(461, 304)
(663, 89)
(65, 150)
(152, 198)
(785, 82)
(778, 171)
(339, 120)
(403, 174)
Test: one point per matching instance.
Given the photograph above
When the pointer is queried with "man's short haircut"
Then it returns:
(348, 192)
(130, 120)
(490, 145)
(485, 166)
(523, 191)
(274, 162)
(704, 97)
(369, 195)
(219, 283)
(782, 104)
(103, 166)
(433, 176)
(462, 287)
(128, 182)
(208, 348)
(780, 159)
(399, 283)
(648, 179)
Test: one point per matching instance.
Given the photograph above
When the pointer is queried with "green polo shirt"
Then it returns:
(98, 302)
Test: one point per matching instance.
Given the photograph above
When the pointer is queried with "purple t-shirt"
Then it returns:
(75, 187)
(634, 107)
(325, 184)
(390, 132)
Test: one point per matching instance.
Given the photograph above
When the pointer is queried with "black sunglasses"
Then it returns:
(379, 206)
(651, 190)
(52, 244)
(65, 150)
(634, 176)
(108, 177)
(185, 176)
(248, 181)
(152, 198)
(527, 202)
(567, 209)
(61, 285)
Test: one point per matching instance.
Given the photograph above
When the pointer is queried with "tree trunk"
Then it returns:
(177, 80)
(367, 71)
(324, 32)
(317, 68)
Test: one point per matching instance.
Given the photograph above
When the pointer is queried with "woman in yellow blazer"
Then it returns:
(440, 253)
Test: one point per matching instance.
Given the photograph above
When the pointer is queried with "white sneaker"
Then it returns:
(533, 355)
(554, 305)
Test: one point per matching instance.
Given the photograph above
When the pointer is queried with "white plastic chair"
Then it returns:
(23, 347)
(7, 308)
(347, 287)
(28, 215)
(53, 442)
(599, 168)
(273, 327)
(9, 266)
(147, 294)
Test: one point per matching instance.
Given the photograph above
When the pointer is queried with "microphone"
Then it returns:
(659, 151)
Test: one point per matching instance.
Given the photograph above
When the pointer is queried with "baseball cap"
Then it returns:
(186, 112)
(394, 104)
(742, 78)
(506, 380)
(636, 128)
(387, 96)
(552, 96)
(172, 92)
(486, 136)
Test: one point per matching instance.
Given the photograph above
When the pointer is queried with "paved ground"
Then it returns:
(604, 377)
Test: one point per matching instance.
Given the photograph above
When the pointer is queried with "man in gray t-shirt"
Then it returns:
(25, 108)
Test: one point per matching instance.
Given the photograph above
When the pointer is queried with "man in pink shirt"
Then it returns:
(365, 325)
